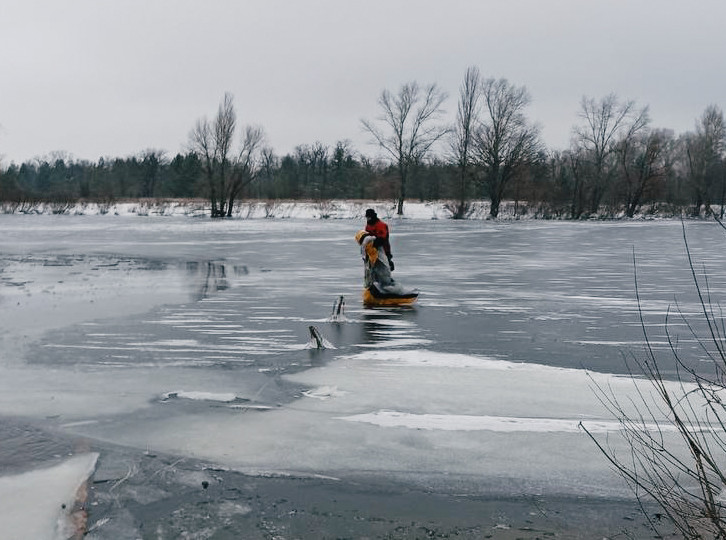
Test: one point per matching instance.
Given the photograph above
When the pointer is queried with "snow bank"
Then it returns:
(282, 209)
(334, 209)
(42, 500)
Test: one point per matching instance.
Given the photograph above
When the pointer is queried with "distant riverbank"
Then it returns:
(306, 209)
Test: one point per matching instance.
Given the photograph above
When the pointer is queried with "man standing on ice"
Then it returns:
(379, 229)
(380, 289)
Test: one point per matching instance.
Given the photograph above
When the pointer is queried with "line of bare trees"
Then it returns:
(616, 158)
(617, 161)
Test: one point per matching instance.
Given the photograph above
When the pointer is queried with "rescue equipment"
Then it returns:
(380, 289)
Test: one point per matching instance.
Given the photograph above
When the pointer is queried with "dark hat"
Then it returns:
(371, 213)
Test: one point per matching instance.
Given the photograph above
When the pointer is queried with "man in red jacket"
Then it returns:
(379, 229)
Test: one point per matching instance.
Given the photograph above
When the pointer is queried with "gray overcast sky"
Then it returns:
(110, 78)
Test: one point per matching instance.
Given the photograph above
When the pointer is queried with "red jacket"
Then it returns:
(380, 231)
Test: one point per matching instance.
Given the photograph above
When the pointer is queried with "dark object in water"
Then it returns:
(338, 313)
(316, 338)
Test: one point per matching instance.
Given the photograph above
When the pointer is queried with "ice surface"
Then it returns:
(421, 413)
(38, 504)
(480, 388)
(508, 424)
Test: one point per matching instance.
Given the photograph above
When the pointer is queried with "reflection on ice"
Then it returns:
(337, 315)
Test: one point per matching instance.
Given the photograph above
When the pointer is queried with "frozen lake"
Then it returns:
(189, 337)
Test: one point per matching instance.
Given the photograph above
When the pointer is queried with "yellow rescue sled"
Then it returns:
(380, 289)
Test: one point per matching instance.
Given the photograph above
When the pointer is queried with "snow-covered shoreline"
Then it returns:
(254, 209)
(295, 209)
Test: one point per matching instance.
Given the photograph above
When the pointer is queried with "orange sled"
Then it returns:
(372, 296)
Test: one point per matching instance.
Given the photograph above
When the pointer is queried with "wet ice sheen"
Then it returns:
(197, 344)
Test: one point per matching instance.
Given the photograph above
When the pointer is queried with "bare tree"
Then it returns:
(223, 134)
(603, 122)
(468, 118)
(343, 168)
(705, 158)
(409, 128)
(575, 165)
(320, 168)
(226, 174)
(212, 141)
(269, 164)
(505, 142)
(246, 165)
(644, 158)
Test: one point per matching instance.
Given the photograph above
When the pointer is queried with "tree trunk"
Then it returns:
(402, 192)
(496, 201)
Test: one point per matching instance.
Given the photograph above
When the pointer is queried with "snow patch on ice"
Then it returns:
(324, 392)
(612, 343)
(200, 396)
(401, 342)
(426, 358)
(502, 424)
(245, 407)
(79, 423)
(229, 509)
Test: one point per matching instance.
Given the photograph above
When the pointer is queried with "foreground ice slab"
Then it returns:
(42, 500)
(454, 421)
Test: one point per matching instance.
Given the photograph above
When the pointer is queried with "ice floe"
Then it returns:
(43, 500)
(199, 396)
